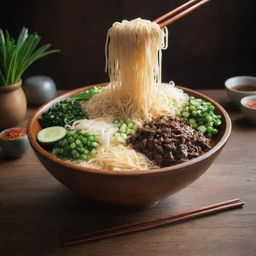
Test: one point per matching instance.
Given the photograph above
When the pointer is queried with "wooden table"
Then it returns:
(37, 212)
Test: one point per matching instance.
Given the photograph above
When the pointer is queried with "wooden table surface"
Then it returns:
(37, 212)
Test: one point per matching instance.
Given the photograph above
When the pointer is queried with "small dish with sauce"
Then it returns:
(239, 87)
(248, 108)
(14, 142)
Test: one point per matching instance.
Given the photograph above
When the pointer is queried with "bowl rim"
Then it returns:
(35, 145)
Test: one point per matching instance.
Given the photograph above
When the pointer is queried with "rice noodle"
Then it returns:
(118, 158)
(100, 127)
(133, 61)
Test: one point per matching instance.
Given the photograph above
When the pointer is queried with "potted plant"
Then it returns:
(15, 57)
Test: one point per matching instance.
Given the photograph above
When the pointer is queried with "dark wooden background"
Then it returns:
(206, 47)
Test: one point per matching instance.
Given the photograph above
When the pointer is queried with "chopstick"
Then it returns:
(156, 222)
(179, 8)
(181, 14)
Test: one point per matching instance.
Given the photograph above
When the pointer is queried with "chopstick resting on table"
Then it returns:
(148, 224)
(192, 5)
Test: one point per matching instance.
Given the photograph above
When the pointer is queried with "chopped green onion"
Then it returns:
(199, 114)
(125, 128)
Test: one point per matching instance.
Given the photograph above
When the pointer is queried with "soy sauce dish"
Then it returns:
(239, 87)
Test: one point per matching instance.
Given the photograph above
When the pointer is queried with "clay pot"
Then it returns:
(13, 105)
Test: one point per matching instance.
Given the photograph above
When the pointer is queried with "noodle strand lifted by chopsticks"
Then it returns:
(133, 61)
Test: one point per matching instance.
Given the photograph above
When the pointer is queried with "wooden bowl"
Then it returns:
(127, 188)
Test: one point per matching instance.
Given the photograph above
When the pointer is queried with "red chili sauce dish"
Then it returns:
(251, 104)
(14, 134)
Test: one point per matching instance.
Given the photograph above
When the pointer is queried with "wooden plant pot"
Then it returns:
(13, 105)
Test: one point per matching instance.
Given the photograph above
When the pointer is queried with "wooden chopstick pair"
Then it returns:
(148, 224)
(192, 5)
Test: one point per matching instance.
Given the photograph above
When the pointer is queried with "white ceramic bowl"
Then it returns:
(248, 112)
(236, 95)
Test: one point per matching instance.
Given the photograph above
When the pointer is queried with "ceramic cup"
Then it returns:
(236, 95)
(14, 147)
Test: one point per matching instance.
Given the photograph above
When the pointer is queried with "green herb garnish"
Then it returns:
(87, 94)
(62, 113)
(17, 55)
(125, 129)
(200, 115)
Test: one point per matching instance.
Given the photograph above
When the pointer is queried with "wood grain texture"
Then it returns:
(37, 212)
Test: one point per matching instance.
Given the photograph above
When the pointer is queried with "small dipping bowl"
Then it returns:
(239, 87)
(249, 112)
(14, 147)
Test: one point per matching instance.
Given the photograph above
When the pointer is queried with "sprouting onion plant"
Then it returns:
(17, 55)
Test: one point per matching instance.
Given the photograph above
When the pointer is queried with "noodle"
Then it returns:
(118, 158)
(103, 129)
(133, 61)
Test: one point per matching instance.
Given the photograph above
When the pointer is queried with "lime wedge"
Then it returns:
(51, 134)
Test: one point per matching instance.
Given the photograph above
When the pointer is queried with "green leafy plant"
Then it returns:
(17, 55)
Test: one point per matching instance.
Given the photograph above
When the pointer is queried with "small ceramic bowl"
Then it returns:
(249, 112)
(237, 88)
(14, 147)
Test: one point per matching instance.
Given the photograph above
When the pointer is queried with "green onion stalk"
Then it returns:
(17, 55)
